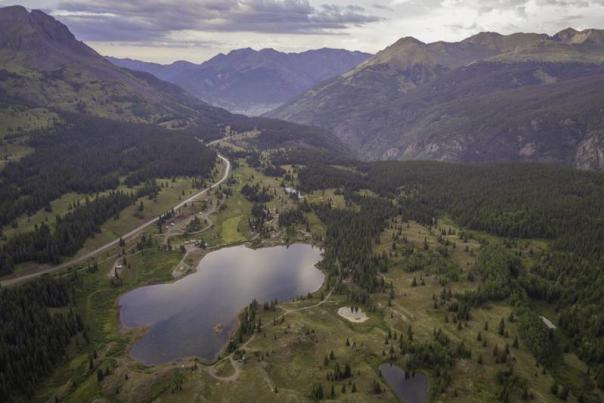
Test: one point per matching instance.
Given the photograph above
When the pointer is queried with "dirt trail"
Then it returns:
(236, 365)
(304, 308)
(231, 378)
(180, 228)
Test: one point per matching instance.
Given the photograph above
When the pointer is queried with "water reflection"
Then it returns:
(413, 389)
(195, 315)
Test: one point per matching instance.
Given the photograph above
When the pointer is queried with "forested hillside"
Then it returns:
(89, 156)
(512, 201)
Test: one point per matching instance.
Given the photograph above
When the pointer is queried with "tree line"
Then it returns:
(37, 323)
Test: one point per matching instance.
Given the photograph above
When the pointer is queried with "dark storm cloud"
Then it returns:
(145, 20)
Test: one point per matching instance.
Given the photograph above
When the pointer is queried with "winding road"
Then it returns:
(129, 235)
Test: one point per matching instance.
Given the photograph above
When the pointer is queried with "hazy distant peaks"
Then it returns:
(253, 81)
(409, 51)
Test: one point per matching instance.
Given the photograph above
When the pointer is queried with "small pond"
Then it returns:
(413, 389)
(195, 315)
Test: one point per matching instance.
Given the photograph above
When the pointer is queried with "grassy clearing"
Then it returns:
(131, 217)
(12, 152)
(231, 222)
(128, 219)
(20, 119)
(59, 206)
(472, 382)
(230, 230)
(317, 228)
(326, 196)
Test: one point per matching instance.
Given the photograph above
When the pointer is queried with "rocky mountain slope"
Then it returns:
(487, 98)
(250, 81)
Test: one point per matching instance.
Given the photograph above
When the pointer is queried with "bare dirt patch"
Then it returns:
(355, 315)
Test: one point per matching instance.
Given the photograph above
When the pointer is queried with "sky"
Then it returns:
(164, 31)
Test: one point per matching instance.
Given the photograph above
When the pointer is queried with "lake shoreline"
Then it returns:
(231, 326)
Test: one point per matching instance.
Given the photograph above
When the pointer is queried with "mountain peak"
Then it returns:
(241, 51)
(489, 39)
(14, 11)
(269, 50)
(408, 41)
(407, 51)
(566, 35)
(38, 34)
(573, 37)
(17, 20)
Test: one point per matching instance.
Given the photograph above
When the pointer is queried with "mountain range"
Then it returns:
(250, 81)
(487, 98)
(46, 75)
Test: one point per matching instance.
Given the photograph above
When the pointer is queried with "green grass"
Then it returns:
(471, 381)
(326, 196)
(130, 217)
(317, 228)
(231, 222)
(20, 119)
(230, 230)
(59, 206)
(12, 152)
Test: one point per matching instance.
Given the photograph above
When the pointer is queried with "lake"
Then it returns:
(411, 390)
(195, 315)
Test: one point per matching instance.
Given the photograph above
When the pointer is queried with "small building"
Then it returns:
(292, 191)
(550, 325)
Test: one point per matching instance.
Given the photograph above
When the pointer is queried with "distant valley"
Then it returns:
(250, 81)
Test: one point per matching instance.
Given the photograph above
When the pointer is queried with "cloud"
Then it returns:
(156, 20)
(433, 20)
(198, 29)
